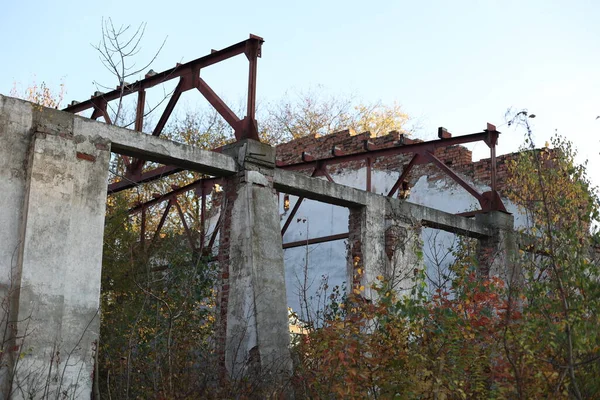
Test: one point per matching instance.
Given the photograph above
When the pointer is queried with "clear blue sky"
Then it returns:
(457, 64)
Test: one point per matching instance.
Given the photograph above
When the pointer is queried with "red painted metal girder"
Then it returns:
(404, 175)
(321, 170)
(162, 222)
(409, 148)
(184, 84)
(139, 111)
(322, 239)
(455, 177)
(152, 175)
(291, 216)
(185, 225)
(100, 106)
(218, 104)
(172, 73)
(208, 183)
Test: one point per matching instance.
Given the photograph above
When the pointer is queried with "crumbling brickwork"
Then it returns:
(459, 158)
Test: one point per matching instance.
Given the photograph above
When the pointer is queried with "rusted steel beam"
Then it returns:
(219, 105)
(493, 201)
(391, 151)
(181, 87)
(322, 239)
(171, 73)
(100, 110)
(139, 111)
(161, 222)
(152, 175)
(291, 216)
(249, 126)
(136, 166)
(208, 183)
(185, 225)
(492, 140)
(455, 177)
(405, 171)
(369, 162)
(321, 170)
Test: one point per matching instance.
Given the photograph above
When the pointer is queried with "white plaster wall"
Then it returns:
(315, 219)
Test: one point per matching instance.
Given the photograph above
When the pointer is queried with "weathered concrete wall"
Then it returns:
(384, 242)
(15, 140)
(51, 249)
(432, 200)
(498, 252)
(53, 180)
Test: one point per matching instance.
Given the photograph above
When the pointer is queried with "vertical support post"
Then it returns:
(253, 321)
(369, 162)
(202, 217)
(252, 51)
(497, 254)
(382, 242)
(139, 113)
(366, 251)
(143, 228)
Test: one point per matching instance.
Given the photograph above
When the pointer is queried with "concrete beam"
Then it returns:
(121, 140)
(333, 193)
(317, 189)
(133, 144)
(432, 218)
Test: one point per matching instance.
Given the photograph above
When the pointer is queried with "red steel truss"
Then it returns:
(422, 153)
(189, 78)
(246, 128)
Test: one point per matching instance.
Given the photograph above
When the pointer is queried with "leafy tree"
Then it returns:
(40, 94)
(314, 112)
(480, 337)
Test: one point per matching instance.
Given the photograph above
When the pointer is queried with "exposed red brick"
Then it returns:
(86, 156)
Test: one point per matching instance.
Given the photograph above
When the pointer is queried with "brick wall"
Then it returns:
(459, 158)
(227, 197)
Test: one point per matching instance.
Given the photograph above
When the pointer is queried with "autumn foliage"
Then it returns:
(480, 337)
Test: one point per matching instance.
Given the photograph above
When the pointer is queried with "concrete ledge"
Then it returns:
(134, 144)
(340, 195)
(317, 189)
(432, 218)
(121, 140)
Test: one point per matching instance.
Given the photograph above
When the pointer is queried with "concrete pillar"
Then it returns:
(497, 253)
(53, 184)
(254, 332)
(382, 243)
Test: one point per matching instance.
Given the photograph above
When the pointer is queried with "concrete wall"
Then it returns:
(53, 178)
(330, 260)
(53, 183)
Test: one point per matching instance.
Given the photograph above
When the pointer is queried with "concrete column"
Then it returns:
(252, 301)
(382, 243)
(497, 253)
(50, 262)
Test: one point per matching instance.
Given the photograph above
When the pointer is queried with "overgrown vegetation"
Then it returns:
(476, 337)
(535, 337)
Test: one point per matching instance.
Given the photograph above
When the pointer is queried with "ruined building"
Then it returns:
(53, 187)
